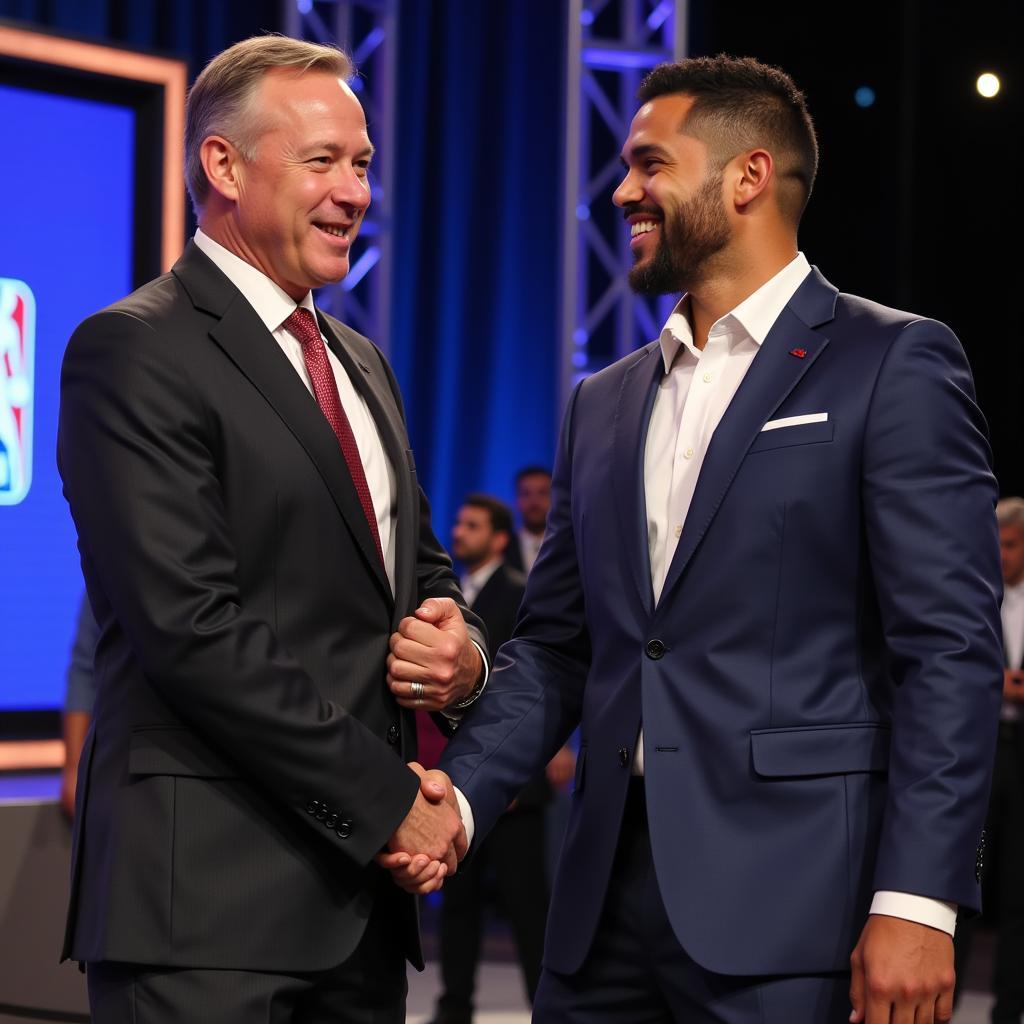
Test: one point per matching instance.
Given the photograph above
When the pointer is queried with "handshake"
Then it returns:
(431, 841)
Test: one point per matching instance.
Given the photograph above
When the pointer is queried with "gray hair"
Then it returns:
(1010, 512)
(220, 100)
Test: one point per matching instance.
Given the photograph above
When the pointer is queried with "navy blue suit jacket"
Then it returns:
(819, 683)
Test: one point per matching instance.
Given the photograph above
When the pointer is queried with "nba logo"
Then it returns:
(17, 356)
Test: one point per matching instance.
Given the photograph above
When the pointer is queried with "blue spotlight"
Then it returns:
(583, 212)
(864, 96)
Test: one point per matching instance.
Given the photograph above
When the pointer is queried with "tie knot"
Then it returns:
(302, 324)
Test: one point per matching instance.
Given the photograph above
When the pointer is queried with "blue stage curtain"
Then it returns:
(476, 235)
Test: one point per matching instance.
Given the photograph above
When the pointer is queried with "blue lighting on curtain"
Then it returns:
(476, 221)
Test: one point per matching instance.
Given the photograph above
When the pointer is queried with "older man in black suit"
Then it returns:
(269, 591)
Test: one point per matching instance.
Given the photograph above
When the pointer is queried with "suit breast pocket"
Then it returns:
(788, 437)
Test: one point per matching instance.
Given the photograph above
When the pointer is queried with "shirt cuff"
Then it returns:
(467, 815)
(922, 909)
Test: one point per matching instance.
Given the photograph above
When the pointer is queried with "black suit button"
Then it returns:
(393, 734)
(332, 820)
(623, 756)
(313, 806)
(323, 812)
(344, 829)
(655, 649)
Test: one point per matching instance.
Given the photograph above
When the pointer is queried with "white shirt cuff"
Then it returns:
(922, 909)
(467, 814)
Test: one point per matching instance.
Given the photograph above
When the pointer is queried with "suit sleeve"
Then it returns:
(929, 498)
(137, 454)
(534, 698)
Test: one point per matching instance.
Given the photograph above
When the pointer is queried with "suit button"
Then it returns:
(393, 734)
(313, 806)
(623, 756)
(344, 829)
(332, 820)
(655, 649)
(322, 813)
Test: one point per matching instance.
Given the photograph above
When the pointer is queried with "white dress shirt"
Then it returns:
(692, 398)
(473, 582)
(1013, 640)
(273, 306)
(529, 547)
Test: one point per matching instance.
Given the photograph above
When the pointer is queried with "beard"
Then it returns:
(690, 236)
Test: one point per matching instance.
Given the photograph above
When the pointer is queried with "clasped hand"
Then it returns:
(433, 663)
(431, 840)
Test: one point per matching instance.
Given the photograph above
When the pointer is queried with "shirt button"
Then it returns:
(688, 454)
(707, 378)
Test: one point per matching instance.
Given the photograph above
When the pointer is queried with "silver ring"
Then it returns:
(416, 689)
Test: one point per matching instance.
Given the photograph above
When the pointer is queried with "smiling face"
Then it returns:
(672, 199)
(301, 199)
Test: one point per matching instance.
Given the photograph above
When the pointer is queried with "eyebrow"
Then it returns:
(332, 147)
(644, 149)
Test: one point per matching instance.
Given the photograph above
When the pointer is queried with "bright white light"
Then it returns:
(988, 85)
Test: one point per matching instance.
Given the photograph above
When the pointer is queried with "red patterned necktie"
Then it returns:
(302, 324)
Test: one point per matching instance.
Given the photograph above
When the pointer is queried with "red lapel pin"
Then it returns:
(798, 352)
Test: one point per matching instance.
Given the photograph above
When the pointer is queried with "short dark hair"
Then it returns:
(500, 513)
(532, 471)
(739, 104)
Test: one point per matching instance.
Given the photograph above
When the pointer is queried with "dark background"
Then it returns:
(916, 203)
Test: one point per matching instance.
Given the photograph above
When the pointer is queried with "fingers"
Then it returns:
(944, 1007)
(434, 785)
(857, 992)
(438, 611)
(418, 874)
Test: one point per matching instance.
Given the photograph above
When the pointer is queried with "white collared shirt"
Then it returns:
(1013, 640)
(529, 547)
(473, 582)
(273, 306)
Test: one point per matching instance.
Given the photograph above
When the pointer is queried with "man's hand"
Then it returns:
(1013, 685)
(433, 663)
(418, 869)
(561, 768)
(902, 973)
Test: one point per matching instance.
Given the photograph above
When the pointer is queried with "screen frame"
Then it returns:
(154, 88)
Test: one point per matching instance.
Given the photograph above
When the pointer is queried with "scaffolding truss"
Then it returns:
(611, 44)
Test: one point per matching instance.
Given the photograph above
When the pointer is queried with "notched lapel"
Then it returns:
(632, 418)
(374, 388)
(773, 374)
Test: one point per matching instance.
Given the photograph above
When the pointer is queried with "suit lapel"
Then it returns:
(632, 418)
(249, 345)
(773, 374)
(371, 383)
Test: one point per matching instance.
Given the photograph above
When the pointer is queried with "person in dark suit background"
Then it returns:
(1003, 882)
(533, 501)
(271, 600)
(514, 852)
(769, 593)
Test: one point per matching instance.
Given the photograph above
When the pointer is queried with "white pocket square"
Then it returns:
(795, 421)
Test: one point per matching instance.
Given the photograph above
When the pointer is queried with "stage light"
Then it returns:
(988, 85)
(583, 212)
(580, 336)
(586, 17)
(864, 96)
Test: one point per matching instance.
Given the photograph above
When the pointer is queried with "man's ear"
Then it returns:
(221, 162)
(754, 170)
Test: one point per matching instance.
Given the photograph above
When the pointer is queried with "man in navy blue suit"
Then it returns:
(769, 595)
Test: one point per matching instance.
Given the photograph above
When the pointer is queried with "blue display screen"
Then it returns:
(66, 209)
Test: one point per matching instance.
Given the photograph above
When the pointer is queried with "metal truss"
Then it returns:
(611, 45)
(367, 31)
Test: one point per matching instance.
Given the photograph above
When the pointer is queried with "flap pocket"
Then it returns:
(821, 749)
(783, 437)
(175, 752)
(581, 760)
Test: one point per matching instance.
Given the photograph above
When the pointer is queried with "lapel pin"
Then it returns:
(798, 352)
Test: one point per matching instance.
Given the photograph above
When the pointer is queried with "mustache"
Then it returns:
(630, 209)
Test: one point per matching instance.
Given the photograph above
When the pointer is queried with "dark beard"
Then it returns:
(690, 236)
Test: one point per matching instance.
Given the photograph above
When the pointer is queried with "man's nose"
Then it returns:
(629, 191)
(351, 189)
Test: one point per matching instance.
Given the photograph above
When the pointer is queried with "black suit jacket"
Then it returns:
(247, 759)
(497, 604)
